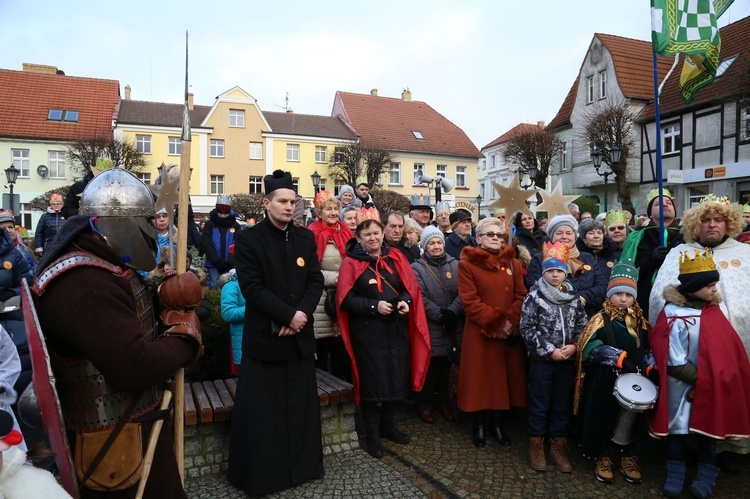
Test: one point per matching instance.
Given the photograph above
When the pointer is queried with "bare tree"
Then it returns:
(351, 161)
(388, 200)
(534, 146)
(607, 124)
(247, 205)
(41, 202)
(84, 154)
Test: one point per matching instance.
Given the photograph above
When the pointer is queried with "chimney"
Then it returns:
(374, 92)
(127, 92)
(406, 94)
(190, 101)
(540, 124)
(29, 67)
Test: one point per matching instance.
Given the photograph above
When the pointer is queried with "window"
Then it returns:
(481, 190)
(55, 115)
(442, 171)
(62, 115)
(337, 187)
(143, 144)
(460, 176)
(484, 164)
(236, 118)
(292, 152)
(745, 123)
(175, 146)
(671, 141)
(256, 185)
(339, 155)
(602, 84)
(320, 154)
(20, 158)
(70, 116)
(256, 150)
(217, 150)
(26, 211)
(322, 184)
(217, 184)
(493, 161)
(564, 156)
(144, 177)
(589, 90)
(295, 184)
(417, 134)
(56, 164)
(697, 193)
(419, 166)
(394, 175)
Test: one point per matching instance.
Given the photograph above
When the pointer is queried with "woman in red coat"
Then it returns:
(492, 377)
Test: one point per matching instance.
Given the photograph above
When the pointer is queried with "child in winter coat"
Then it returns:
(552, 318)
(233, 312)
(614, 341)
(705, 375)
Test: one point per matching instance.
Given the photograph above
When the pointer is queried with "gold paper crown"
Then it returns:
(558, 251)
(322, 197)
(746, 208)
(364, 214)
(713, 198)
(653, 193)
(702, 262)
(616, 216)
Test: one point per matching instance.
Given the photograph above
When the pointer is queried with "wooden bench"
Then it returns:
(209, 401)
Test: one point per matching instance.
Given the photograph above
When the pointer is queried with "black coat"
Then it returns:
(454, 244)
(605, 258)
(218, 235)
(531, 240)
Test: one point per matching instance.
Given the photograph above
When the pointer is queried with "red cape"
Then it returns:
(340, 234)
(722, 390)
(419, 334)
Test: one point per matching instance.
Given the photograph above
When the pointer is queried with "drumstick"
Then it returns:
(148, 459)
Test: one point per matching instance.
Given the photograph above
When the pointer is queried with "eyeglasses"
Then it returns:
(616, 227)
(493, 235)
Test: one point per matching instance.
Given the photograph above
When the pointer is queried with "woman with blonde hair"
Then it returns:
(412, 231)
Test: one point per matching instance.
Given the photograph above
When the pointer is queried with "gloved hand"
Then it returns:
(449, 319)
(186, 325)
(653, 375)
(660, 253)
(7, 294)
(628, 366)
(180, 291)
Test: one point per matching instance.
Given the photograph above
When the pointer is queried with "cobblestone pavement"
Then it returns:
(441, 462)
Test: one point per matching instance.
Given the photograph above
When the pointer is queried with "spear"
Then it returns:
(182, 230)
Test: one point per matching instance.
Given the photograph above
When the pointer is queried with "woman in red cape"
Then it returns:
(383, 324)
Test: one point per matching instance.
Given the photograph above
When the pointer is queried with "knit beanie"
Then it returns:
(430, 232)
(624, 279)
(555, 256)
(561, 221)
(344, 189)
(697, 272)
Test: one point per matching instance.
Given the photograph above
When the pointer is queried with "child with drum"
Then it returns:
(552, 317)
(704, 371)
(614, 352)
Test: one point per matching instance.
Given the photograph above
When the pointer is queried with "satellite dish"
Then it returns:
(42, 171)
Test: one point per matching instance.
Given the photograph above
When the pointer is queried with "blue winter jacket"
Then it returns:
(47, 227)
(233, 311)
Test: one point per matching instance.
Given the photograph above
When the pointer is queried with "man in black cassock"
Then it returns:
(276, 436)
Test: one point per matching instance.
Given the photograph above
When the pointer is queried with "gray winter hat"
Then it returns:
(561, 221)
(346, 188)
(430, 232)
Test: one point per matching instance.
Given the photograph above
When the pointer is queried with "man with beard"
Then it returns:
(276, 436)
(394, 236)
(218, 235)
(461, 236)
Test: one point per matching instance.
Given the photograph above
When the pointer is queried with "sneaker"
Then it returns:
(629, 468)
(604, 470)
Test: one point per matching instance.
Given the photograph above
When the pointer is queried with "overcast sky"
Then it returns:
(486, 65)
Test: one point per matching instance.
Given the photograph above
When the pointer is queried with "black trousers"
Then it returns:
(436, 382)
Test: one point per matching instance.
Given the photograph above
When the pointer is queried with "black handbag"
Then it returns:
(330, 303)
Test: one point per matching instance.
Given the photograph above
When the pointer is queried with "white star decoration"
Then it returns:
(512, 198)
(556, 203)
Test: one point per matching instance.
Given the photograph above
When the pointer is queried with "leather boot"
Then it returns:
(559, 454)
(536, 454)
(705, 480)
(675, 478)
(496, 428)
(371, 417)
(478, 435)
(388, 424)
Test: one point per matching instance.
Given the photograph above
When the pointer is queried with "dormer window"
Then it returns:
(55, 115)
(417, 134)
(63, 115)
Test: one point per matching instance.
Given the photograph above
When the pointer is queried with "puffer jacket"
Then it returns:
(325, 326)
(233, 312)
(548, 323)
(436, 299)
(605, 258)
(47, 227)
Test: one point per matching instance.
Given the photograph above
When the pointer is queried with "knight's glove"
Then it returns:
(186, 325)
(180, 291)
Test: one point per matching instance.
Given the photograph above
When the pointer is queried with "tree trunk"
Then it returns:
(623, 188)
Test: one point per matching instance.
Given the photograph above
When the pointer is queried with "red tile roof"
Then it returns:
(388, 123)
(310, 125)
(520, 128)
(735, 82)
(562, 118)
(26, 99)
(135, 112)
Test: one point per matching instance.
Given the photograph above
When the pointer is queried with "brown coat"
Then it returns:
(493, 370)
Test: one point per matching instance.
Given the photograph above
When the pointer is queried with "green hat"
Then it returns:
(616, 217)
(361, 181)
(746, 208)
(624, 279)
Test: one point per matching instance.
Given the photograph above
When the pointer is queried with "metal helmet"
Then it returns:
(124, 211)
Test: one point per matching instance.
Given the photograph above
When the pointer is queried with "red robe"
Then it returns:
(722, 390)
(419, 333)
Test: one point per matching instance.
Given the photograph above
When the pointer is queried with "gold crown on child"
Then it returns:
(559, 251)
(364, 214)
(701, 262)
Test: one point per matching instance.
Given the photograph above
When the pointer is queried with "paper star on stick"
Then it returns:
(556, 203)
(512, 198)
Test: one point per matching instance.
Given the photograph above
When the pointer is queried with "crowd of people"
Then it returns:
(462, 320)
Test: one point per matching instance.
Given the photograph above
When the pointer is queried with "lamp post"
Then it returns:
(479, 205)
(531, 171)
(316, 181)
(597, 155)
(11, 175)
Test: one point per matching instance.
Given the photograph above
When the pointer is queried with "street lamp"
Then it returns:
(11, 174)
(614, 157)
(479, 205)
(531, 171)
(316, 181)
